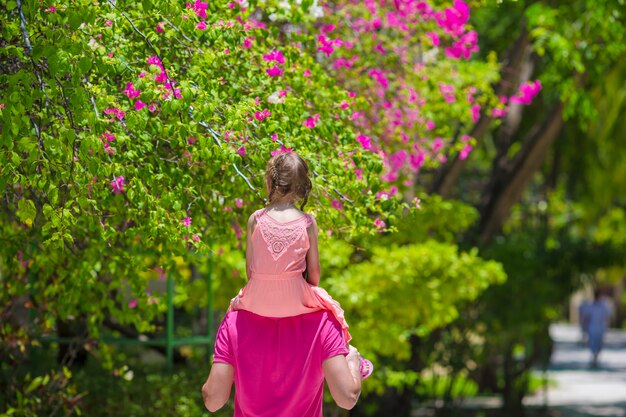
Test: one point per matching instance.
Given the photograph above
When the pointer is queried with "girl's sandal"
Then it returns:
(366, 367)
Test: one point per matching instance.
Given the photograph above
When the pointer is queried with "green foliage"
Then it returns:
(391, 291)
(87, 248)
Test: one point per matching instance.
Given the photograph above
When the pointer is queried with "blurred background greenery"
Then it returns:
(454, 300)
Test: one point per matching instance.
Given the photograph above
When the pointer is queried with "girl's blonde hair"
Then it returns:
(288, 176)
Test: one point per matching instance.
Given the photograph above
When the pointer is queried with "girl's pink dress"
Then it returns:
(276, 286)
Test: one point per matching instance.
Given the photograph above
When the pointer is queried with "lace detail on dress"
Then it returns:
(279, 237)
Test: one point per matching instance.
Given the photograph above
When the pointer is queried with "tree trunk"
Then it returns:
(449, 174)
(507, 187)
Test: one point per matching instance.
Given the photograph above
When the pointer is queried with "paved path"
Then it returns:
(582, 391)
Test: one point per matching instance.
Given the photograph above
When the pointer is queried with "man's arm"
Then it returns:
(216, 389)
(344, 378)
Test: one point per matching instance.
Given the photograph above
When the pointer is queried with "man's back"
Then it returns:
(278, 361)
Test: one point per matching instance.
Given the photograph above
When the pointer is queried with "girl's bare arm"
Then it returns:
(313, 256)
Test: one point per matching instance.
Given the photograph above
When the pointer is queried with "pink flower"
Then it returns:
(430, 125)
(337, 205)
(1, 105)
(109, 149)
(154, 60)
(191, 140)
(275, 56)
(275, 71)
(108, 22)
(247, 43)
(498, 112)
(142, 74)
(282, 149)
(201, 25)
(195, 238)
(161, 77)
(131, 92)
(344, 105)
(306, 73)
(238, 202)
(327, 28)
(187, 221)
(447, 91)
(117, 184)
(152, 107)
(200, 8)
(326, 45)
(160, 27)
(132, 303)
(115, 112)
(417, 202)
(464, 47)
(475, 112)
(437, 144)
(110, 54)
(311, 122)
(237, 230)
(364, 141)
(241, 151)
(379, 224)
(417, 160)
(262, 115)
(51, 9)
(453, 19)
(139, 105)
(108, 136)
(527, 92)
(275, 137)
(434, 38)
(380, 77)
(465, 152)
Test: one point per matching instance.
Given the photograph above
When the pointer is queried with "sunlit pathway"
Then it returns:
(581, 390)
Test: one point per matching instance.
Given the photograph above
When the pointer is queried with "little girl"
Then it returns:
(282, 258)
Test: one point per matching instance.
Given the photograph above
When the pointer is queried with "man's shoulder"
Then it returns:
(317, 318)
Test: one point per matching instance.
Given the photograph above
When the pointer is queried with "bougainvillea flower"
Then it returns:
(187, 221)
(311, 122)
(447, 91)
(117, 185)
(154, 60)
(465, 152)
(475, 112)
(275, 56)
(527, 92)
(275, 71)
(282, 149)
(364, 141)
(434, 38)
(108, 136)
(200, 8)
(262, 115)
(498, 112)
